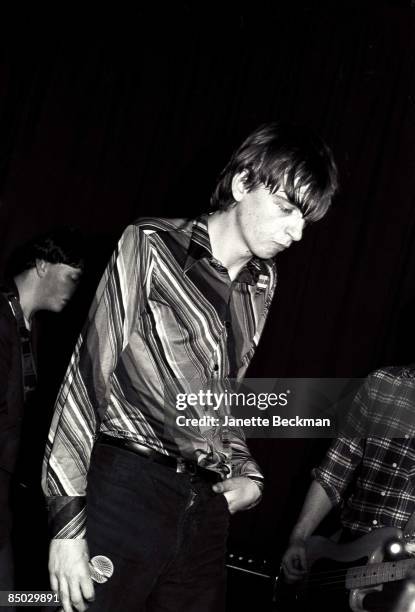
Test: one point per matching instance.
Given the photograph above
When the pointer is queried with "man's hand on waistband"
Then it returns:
(70, 575)
(241, 492)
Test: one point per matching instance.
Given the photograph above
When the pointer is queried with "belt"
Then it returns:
(178, 464)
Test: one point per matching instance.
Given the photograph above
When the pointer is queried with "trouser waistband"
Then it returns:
(178, 464)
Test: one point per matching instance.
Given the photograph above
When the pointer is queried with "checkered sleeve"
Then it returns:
(336, 471)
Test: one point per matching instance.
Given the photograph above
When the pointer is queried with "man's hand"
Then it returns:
(294, 561)
(69, 573)
(240, 492)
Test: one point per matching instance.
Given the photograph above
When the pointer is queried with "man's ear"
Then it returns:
(239, 188)
(41, 267)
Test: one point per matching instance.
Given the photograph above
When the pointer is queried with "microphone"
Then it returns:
(101, 568)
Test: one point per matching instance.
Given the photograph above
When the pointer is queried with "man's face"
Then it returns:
(58, 285)
(268, 222)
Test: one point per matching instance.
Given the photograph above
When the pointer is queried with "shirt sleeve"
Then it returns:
(243, 463)
(83, 397)
(338, 468)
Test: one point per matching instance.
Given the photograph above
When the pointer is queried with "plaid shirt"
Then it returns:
(375, 474)
(165, 315)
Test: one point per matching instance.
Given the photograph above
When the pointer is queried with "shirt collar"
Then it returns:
(199, 244)
(256, 271)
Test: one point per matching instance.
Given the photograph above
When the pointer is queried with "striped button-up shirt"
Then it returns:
(166, 319)
(375, 473)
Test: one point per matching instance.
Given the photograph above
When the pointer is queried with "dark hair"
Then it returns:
(283, 155)
(64, 245)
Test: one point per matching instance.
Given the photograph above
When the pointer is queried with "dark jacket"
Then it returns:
(11, 387)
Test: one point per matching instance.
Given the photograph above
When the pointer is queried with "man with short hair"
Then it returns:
(182, 302)
(44, 273)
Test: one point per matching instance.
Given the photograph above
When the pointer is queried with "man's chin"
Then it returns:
(271, 252)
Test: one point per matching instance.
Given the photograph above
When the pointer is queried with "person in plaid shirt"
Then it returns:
(370, 470)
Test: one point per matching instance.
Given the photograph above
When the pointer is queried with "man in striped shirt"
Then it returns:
(180, 309)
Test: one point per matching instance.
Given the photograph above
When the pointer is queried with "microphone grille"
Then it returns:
(101, 568)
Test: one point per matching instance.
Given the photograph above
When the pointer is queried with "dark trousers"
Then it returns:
(165, 533)
(6, 556)
(6, 550)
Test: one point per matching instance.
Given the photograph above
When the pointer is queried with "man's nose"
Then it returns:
(295, 228)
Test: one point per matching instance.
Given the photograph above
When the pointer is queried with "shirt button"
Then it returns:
(394, 465)
(216, 367)
(374, 522)
(383, 493)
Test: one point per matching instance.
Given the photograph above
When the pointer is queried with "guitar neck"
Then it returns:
(378, 573)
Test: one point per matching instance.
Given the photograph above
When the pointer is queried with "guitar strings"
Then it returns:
(387, 567)
(332, 577)
(340, 581)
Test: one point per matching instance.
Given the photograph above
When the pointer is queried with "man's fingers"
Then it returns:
(229, 495)
(69, 570)
(296, 571)
(54, 584)
(219, 487)
(294, 564)
(87, 588)
(292, 574)
(73, 592)
(76, 596)
(64, 595)
(229, 484)
(240, 492)
(230, 499)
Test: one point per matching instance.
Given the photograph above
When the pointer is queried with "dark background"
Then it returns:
(103, 120)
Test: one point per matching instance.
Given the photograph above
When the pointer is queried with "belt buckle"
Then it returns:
(186, 467)
(180, 466)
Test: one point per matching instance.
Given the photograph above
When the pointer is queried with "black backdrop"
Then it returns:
(134, 114)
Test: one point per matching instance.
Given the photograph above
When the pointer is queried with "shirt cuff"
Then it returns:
(331, 491)
(67, 516)
(258, 480)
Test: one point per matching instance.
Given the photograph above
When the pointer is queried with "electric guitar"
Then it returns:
(337, 572)
(358, 567)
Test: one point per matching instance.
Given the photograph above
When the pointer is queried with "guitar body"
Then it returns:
(352, 576)
(369, 545)
(368, 549)
(340, 576)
